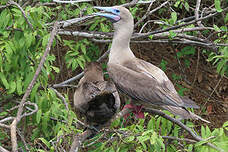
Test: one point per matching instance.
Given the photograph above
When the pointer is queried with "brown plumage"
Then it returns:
(143, 81)
(96, 99)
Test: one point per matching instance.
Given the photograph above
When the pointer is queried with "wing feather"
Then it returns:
(145, 88)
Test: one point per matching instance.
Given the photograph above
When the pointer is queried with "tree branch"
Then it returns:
(71, 1)
(29, 89)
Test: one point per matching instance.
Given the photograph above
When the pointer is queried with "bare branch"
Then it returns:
(71, 1)
(3, 149)
(181, 25)
(148, 13)
(179, 139)
(84, 34)
(197, 12)
(4, 126)
(132, 3)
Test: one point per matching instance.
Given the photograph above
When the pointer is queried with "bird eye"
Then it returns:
(117, 11)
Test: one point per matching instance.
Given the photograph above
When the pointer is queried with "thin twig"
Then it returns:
(23, 139)
(197, 67)
(215, 88)
(179, 139)
(22, 11)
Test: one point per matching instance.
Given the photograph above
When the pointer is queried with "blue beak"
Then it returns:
(113, 16)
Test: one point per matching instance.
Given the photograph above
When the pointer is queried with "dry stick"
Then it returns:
(22, 11)
(80, 74)
(146, 14)
(4, 126)
(78, 140)
(3, 149)
(179, 123)
(62, 97)
(150, 12)
(132, 3)
(22, 103)
(71, 2)
(179, 139)
(197, 12)
(23, 139)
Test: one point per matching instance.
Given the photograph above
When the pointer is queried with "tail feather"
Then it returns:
(183, 113)
(188, 103)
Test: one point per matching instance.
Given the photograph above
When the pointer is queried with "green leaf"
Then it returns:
(218, 6)
(45, 142)
(151, 37)
(226, 18)
(45, 120)
(56, 69)
(38, 115)
(19, 86)
(4, 81)
(45, 40)
(129, 139)
(225, 124)
(12, 87)
(216, 28)
(172, 34)
(151, 124)
(34, 91)
(83, 48)
(186, 6)
(173, 17)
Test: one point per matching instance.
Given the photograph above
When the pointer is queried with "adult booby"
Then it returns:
(95, 99)
(141, 80)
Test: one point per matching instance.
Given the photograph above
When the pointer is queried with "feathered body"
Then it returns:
(141, 80)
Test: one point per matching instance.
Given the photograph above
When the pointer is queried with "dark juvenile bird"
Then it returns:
(141, 80)
(95, 99)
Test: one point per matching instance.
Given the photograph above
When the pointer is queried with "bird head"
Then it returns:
(120, 16)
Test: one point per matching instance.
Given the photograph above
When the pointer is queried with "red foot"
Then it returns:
(137, 110)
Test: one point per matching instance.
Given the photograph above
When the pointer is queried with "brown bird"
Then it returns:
(141, 80)
(95, 99)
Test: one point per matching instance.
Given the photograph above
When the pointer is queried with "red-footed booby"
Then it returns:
(141, 80)
(95, 99)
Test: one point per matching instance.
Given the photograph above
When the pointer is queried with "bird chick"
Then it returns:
(96, 99)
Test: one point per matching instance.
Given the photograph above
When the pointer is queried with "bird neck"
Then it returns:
(120, 49)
